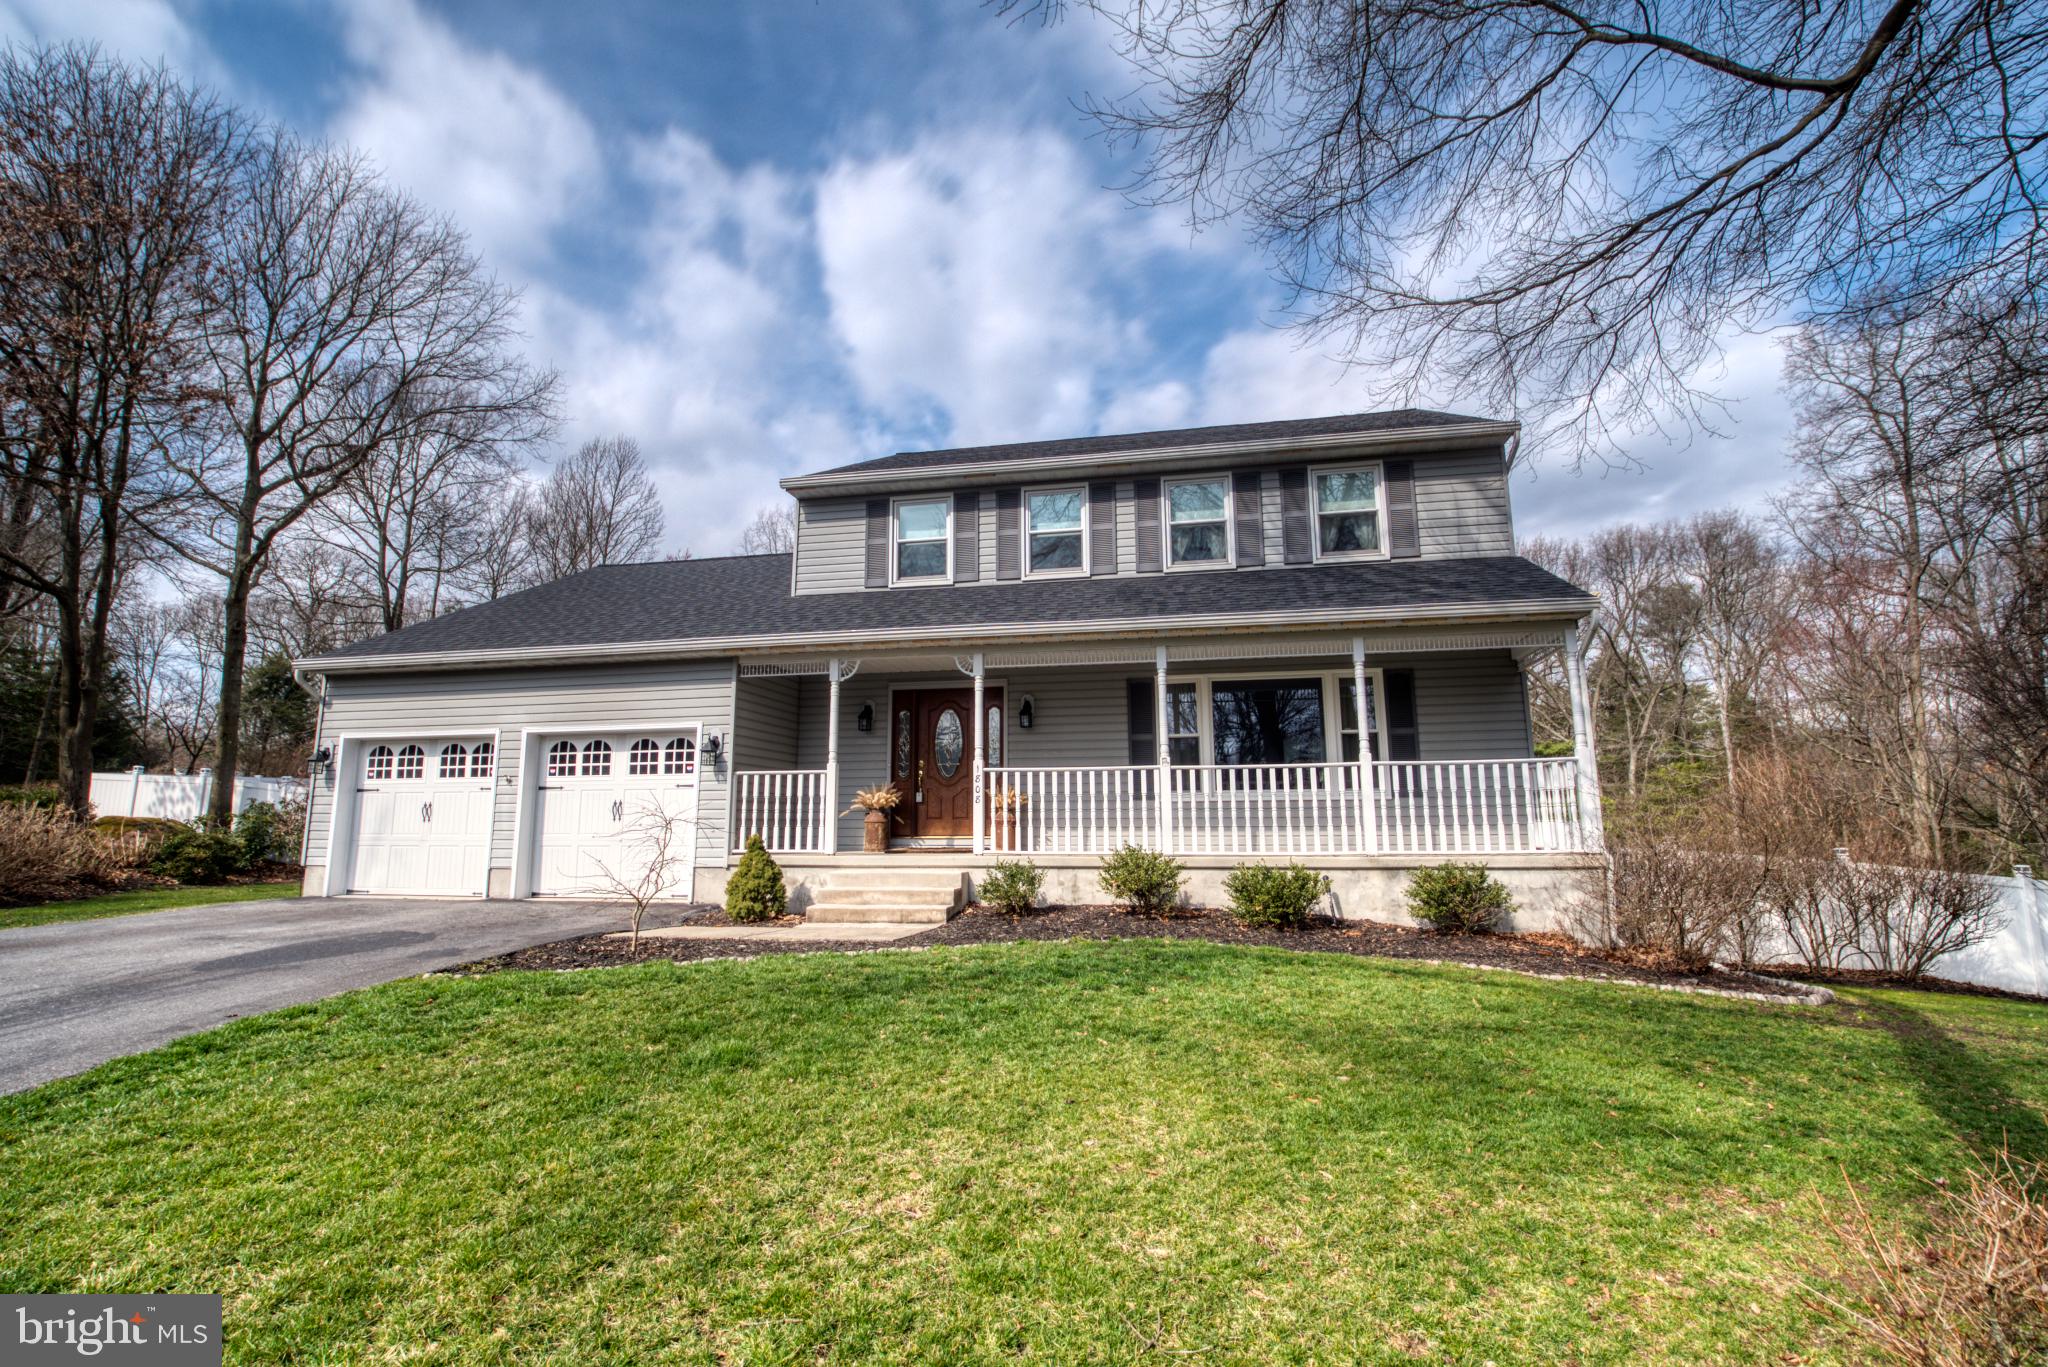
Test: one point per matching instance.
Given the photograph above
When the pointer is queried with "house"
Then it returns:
(1301, 639)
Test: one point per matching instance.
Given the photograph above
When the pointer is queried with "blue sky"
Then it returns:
(765, 238)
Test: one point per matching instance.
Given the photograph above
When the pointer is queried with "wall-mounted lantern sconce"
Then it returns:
(1026, 713)
(321, 759)
(714, 745)
(864, 720)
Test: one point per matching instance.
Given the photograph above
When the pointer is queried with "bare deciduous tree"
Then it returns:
(1565, 207)
(598, 507)
(114, 182)
(772, 532)
(658, 841)
(355, 320)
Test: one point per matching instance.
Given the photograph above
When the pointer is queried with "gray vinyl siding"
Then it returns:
(764, 724)
(1461, 504)
(1461, 508)
(509, 701)
(831, 545)
(1468, 705)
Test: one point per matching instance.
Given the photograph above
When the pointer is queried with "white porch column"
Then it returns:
(1165, 750)
(980, 752)
(1591, 827)
(1368, 796)
(829, 811)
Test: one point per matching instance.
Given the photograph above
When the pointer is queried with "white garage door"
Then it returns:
(423, 817)
(616, 810)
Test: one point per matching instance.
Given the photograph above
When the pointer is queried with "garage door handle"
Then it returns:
(618, 810)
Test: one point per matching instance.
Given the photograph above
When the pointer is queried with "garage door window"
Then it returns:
(412, 762)
(480, 759)
(379, 763)
(454, 762)
(597, 759)
(562, 759)
(680, 756)
(644, 757)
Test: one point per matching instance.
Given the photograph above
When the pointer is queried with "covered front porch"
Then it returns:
(1205, 747)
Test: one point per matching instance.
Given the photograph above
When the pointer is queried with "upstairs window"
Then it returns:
(1198, 522)
(1053, 520)
(1347, 512)
(924, 541)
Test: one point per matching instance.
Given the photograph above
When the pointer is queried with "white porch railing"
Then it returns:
(1072, 811)
(1506, 806)
(790, 809)
(1487, 806)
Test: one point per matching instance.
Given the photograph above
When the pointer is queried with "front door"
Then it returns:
(931, 748)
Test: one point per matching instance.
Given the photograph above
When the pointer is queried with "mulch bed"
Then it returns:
(1869, 977)
(1550, 955)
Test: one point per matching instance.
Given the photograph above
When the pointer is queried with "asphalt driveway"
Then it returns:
(78, 993)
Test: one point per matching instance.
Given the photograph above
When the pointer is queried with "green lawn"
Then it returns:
(1054, 1153)
(149, 899)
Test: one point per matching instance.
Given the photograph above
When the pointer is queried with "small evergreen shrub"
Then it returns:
(755, 891)
(1012, 885)
(200, 854)
(1141, 880)
(1278, 895)
(256, 828)
(1458, 897)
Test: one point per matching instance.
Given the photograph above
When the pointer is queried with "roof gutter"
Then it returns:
(713, 646)
(1106, 462)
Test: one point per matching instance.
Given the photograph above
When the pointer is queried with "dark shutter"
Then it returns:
(1404, 740)
(1009, 516)
(966, 538)
(1143, 696)
(1247, 506)
(1403, 539)
(878, 543)
(1102, 529)
(1145, 494)
(1297, 542)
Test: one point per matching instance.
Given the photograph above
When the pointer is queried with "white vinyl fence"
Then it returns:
(182, 797)
(2016, 959)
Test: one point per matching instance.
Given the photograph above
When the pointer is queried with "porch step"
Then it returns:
(921, 896)
(827, 913)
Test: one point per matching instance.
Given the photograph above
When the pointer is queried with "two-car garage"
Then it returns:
(605, 812)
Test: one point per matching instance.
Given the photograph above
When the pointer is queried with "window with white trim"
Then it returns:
(644, 757)
(1183, 723)
(924, 540)
(597, 759)
(1347, 512)
(679, 756)
(480, 757)
(412, 762)
(379, 764)
(1347, 716)
(454, 761)
(562, 759)
(1197, 522)
(1053, 521)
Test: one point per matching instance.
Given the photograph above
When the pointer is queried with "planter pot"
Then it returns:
(874, 833)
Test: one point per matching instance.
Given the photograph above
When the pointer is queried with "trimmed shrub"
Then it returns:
(45, 853)
(1279, 895)
(200, 854)
(1012, 885)
(1142, 881)
(755, 892)
(259, 828)
(1458, 897)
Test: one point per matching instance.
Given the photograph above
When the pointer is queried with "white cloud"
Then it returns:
(139, 30)
(467, 130)
(970, 281)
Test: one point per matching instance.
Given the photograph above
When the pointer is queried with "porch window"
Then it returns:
(1348, 512)
(1183, 724)
(1268, 721)
(924, 539)
(1347, 718)
(1198, 521)
(1053, 528)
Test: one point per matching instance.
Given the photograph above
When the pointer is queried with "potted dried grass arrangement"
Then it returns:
(877, 802)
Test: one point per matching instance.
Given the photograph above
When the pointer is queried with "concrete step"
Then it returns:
(885, 894)
(881, 876)
(834, 913)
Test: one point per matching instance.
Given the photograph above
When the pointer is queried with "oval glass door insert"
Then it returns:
(946, 743)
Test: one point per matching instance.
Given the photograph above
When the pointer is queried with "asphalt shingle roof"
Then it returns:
(1341, 425)
(744, 596)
